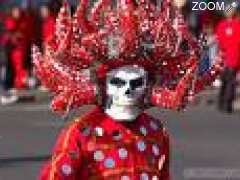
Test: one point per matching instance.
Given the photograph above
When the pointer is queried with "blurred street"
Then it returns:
(205, 143)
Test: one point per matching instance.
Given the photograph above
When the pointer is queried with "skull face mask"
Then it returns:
(126, 87)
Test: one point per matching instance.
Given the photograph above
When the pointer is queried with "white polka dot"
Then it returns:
(229, 31)
(66, 169)
(144, 176)
(99, 131)
(155, 150)
(143, 130)
(155, 178)
(125, 178)
(98, 156)
(234, 4)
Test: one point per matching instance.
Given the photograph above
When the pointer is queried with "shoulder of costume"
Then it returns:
(89, 118)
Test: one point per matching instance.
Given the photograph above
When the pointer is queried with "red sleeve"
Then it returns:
(66, 157)
(48, 29)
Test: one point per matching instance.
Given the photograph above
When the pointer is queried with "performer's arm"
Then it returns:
(66, 157)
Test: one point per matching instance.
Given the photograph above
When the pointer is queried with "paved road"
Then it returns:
(205, 143)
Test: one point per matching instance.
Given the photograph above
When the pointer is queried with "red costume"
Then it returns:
(112, 59)
(97, 147)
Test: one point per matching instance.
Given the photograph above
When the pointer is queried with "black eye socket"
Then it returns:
(117, 82)
(136, 83)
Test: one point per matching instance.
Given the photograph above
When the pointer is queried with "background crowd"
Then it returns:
(27, 22)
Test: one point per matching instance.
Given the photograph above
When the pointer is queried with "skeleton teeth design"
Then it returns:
(126, 87)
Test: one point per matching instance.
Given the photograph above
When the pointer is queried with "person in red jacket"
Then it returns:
(228, 36)
(48, 24)
(15, 74)
(16, 27)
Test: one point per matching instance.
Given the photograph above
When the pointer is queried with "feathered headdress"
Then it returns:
(116, 33)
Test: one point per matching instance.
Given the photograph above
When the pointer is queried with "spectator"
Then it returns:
(48, 24)
(228, 36)
(14, 46)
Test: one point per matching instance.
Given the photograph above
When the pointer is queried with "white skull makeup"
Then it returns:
(126, 87)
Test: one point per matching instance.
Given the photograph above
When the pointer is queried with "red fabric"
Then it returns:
(10, 24)
(18, 31)
(73, 156)
(228, 35)
(29, 27)
(17, 58)
(48, 29)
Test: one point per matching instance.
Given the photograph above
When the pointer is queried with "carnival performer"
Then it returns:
(124, 57)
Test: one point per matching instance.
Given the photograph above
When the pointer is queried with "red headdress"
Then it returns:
(109, 35)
